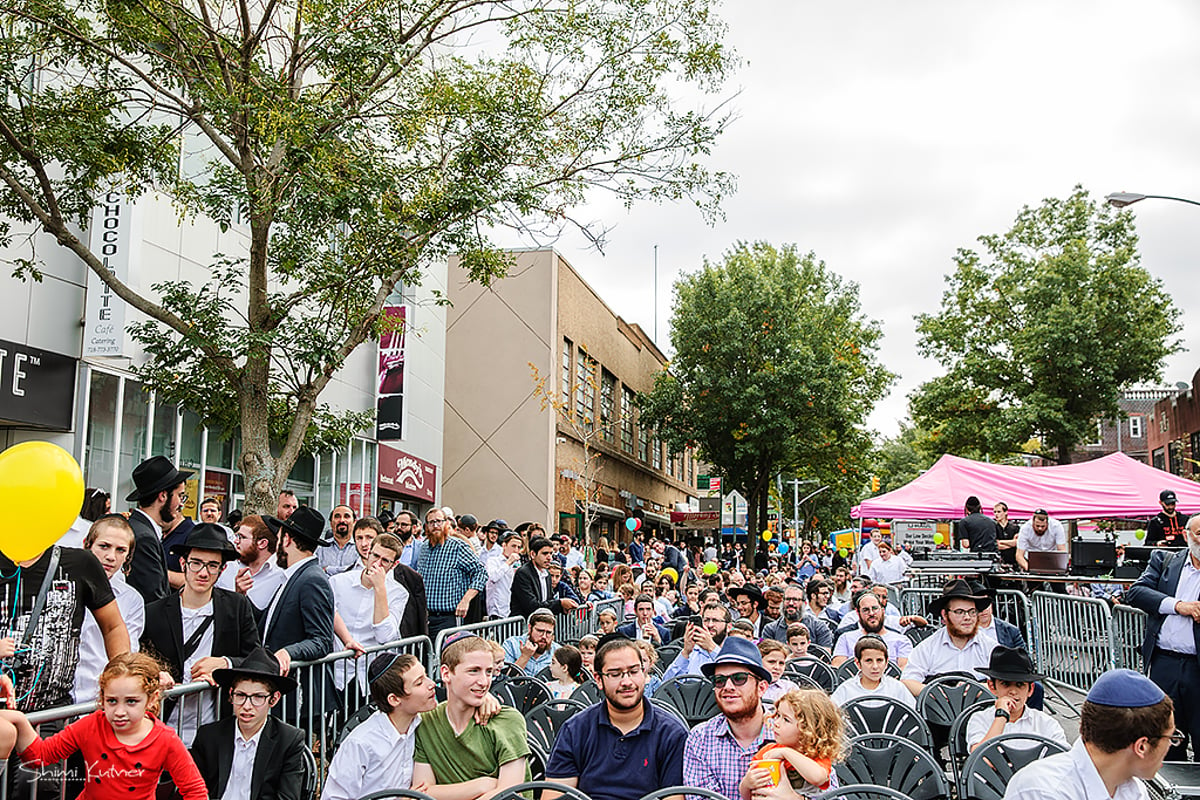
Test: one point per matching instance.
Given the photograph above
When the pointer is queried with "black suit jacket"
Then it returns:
(415, 621)
(148, 570)
(278, 761)
(303, 620)
(235, 633)
(1159, 581)
(525, 597)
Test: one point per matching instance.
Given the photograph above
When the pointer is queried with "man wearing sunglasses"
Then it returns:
(625, 747)
(718, 752)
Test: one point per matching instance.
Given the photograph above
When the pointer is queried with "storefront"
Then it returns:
(406, 483)
(124, 424)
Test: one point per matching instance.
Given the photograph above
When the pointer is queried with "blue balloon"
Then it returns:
(783, 548)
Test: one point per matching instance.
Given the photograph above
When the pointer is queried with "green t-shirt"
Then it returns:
(479, 752)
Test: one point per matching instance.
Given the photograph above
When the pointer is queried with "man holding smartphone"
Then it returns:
(532, 653)
(701, 641)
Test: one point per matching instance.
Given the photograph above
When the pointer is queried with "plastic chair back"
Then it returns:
(886, 760)
(885, 715)
(988, 770)
(692, 696)
(544, 721)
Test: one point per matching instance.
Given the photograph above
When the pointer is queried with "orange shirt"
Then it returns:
(825, 763)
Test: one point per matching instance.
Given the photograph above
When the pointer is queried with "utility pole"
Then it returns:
(795, 482)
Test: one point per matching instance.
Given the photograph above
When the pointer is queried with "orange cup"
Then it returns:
(771, 765)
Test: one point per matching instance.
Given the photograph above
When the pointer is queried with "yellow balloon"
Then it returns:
(766, 536)
(670, 573)
(939, 538)
(44, 479)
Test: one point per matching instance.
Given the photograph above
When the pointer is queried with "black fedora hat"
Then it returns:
(751, 591)
(206, 536)
(260, 665)
(960, 590)
(307, 524)
(155, 475)
(1010, 664)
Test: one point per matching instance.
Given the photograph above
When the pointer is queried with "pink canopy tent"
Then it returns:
(1113, 486)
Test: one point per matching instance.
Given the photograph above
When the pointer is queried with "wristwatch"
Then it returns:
(1000, 712)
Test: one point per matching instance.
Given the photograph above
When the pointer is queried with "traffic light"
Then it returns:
(874, 483)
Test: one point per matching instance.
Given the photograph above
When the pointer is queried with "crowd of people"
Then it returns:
(127, 606)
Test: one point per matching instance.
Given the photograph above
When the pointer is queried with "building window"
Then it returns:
(656, 454)
(608, 388)
(627, 412)
(691, 468)
(670, 465)
(585, 391)
(1195, 445)
(1099, 435)
(1135, 427)
(1162, 422)
(1175, 457)
(643, 443)
(565, 389)
(1159, 459)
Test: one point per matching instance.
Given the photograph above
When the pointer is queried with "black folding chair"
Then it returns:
(814, 670)
(849, 668)
(885, 715)
(356, 719)
(882, 759)
(543, 721)
(695, 791)
(988, 770)
(916, 635)
(536, 787)
(861, 791)
(588, 693)
(945, 697)
(692, 696)
(957, 744)
(388, 794)
(523, 693)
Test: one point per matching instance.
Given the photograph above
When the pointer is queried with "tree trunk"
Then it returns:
(1064, 453)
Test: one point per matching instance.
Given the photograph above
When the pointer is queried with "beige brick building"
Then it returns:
(507, 456)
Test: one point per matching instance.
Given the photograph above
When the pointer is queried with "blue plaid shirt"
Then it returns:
(713, 759)
(449, 570)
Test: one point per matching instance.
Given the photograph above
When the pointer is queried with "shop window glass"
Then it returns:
(189, 447)
(101, 430)
(135, 418)
(162, 441)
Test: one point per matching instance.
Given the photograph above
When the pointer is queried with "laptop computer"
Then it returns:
(1054, 563)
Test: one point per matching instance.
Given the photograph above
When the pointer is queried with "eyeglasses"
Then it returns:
(435, 522)
(256, 700)
(736, 678)
(963, 613)
(1177, 737)
(618, 674)
(204, 566)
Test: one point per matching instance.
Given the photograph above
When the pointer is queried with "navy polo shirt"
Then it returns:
(611, 765)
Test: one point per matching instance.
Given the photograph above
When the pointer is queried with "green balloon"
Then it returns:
(1139, 534)
(843, 552)
(710, 568)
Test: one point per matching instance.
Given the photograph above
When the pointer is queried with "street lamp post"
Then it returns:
(1122, 199)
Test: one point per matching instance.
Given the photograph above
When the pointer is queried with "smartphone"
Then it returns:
(697, 620)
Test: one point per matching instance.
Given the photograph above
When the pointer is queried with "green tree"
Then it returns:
(362, 141)
(901, 459)
(774, 367)
(1041, 331)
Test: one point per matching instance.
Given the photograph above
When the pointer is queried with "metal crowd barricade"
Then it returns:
(916, 600)
(571, 626)
(1013, 606)
(1073, 638)
(1129, 631)
(615, 605)
(498, 630)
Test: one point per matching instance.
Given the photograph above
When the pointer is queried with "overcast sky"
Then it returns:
(884, 135)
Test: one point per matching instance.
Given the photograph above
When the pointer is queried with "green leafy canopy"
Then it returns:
(1041, 330)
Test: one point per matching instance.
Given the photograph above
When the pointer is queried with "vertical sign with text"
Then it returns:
(389, 403)
(116, 240)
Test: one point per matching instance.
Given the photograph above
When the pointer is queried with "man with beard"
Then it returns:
(452, 573)
(341, 554)
(160, 494)
(718, 752)
(532, 653)
(700, 642)
(870, 621)
(958, 646)
(406, 529)
(298, 625)
(819, 593)
(1167, 592)
(841, 585)
(598, 750)
(1041, 534)
(793, 611)
(750, 605)
(1166, 527)
(255, 575)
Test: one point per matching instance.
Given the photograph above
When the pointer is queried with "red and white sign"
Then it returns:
(406, 474)
(714, 484)
(696, 519)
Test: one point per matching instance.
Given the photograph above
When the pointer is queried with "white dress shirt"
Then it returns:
(890, 570)
(356, 605)
(1031, 721)
(267, 581)
(374, 756)
(868, 554)
(575, 558)
(75, 534)
(499, 583)
(242, 769)
(1176, 631)
(888, 687)
(1068, 776)
(937, 654)
(194, 710)
(92, 655)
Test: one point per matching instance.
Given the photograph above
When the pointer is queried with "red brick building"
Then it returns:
(1174, 431)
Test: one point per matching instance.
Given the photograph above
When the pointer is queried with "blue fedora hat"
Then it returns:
(742, 652)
